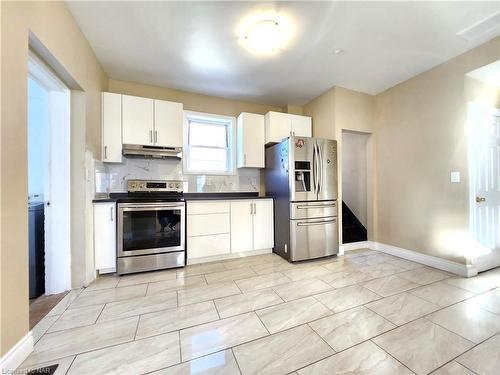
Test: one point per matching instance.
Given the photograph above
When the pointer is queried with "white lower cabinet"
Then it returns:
(263, 224)
(208, 229)
(241, 226)
(105, 236)
(252, 225)
(222, 228)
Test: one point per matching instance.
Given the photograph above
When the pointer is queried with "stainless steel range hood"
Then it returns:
(153, 152)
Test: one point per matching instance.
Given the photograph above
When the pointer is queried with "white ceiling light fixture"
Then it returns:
(265, 34)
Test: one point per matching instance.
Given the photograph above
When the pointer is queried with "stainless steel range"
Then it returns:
(151, 227)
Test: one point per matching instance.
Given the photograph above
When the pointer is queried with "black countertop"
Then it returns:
(114, 197)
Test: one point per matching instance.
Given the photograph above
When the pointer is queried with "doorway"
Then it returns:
(483, 140)
(48, 185)
(354, 186)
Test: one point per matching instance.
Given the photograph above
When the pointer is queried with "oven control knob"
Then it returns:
(177, 185)
(171, 185)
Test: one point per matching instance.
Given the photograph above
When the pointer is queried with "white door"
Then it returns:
(251, 143)
(241, 226)
(484, 156)
(105, 236)
(263, 224)
(137, 120)
(111, 127)
(278, 126)
(168, 123)
(301, 126)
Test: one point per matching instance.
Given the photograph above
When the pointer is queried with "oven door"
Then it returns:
(150, 228)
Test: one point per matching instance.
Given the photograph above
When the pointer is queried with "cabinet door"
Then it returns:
(301, 126)
(263, 224)
(105, 236)
(251, 141)
(111, 122)
(168, 123)
(137, 119)
(241, 226)
(207, 246)
(278, 126)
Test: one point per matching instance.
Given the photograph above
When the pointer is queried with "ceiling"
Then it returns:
(194, 46)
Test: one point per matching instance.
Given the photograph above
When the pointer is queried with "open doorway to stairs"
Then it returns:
(483, 140)
(354, 186)
(48, 188)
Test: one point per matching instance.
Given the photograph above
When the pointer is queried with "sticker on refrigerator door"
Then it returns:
(299, 143)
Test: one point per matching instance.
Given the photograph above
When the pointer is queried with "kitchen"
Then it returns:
(296, 175)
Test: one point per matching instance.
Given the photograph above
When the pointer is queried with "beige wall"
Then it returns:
(192, 101)
(420, 139)
(55, 28)
(341, 109)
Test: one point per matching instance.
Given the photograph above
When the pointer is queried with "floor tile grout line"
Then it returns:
(71, 364)
(236, 360)
(390, 355)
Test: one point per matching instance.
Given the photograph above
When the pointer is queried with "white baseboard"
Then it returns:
(17, 354)
(354, 246)
(228, 256)
(429, 260)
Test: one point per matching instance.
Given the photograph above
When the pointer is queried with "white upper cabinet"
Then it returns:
(111, 123)
(250, 135)
(137, 120)
(301, 126)
(168, 117)
(278, 126)
(282, 125)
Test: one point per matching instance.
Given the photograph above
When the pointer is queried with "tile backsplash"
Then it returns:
(113, 178)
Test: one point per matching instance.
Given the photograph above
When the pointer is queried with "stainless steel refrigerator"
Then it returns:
(301, 175)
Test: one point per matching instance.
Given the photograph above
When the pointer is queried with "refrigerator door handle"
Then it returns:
(314, 162)
(317, 168)
(320, 168)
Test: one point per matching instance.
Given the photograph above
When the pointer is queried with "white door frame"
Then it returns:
(58, 191)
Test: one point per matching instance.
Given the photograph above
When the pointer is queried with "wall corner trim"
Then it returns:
(429, 260)
(17, 354)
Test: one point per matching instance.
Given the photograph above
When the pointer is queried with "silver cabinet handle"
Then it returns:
(111, 214)
(251, 209)
(150, 136)
(255, 208)
(245, 159)
(156, 136)
(105, 152)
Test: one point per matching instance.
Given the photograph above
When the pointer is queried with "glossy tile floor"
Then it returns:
(363, 313)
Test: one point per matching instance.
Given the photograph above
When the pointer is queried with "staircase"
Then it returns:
(352, 229)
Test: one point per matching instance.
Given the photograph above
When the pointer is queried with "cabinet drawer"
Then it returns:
(207, 207)
(205, 246)
(201, 225)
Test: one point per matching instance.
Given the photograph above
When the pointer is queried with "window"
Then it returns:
(208, 143)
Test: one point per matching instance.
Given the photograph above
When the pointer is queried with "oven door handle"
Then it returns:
(127, 205)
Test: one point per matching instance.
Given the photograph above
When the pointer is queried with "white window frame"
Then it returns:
(191, 115)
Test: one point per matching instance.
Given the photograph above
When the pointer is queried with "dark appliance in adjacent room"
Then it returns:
(36, 249)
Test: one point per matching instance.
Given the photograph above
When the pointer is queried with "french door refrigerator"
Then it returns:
(301, 175)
